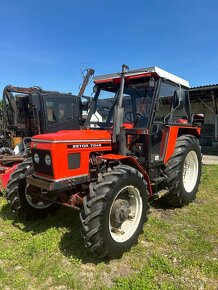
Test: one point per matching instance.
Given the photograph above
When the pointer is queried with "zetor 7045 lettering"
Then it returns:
(138, 142)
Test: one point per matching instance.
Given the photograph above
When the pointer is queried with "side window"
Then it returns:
(165, 100)
(127, 104)
(50, 112)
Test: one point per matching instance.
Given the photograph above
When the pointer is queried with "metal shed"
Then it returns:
(204, 101)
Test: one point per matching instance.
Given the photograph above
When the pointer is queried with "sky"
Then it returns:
(47, 43)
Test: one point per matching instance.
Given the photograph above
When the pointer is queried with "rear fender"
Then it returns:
(170, 135)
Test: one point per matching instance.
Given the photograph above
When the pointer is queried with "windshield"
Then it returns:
(61, 109)
(137, 99)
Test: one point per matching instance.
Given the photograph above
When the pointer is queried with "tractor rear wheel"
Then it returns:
(114, 212)
(23, 199)
(183, 170)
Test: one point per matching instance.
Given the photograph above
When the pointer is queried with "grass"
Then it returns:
(178, 249)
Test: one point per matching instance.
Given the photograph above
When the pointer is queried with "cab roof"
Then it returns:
(150, 71)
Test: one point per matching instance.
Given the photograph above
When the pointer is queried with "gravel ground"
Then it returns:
(210, 160)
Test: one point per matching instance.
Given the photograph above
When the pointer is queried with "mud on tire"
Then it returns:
(183, 170)
(114, 212)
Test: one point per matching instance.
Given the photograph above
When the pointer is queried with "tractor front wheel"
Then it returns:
(183, 171)
(24, 199)
(114, 212)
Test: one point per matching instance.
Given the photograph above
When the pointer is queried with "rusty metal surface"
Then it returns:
(11, 158)
(56, 202)
(39, 183)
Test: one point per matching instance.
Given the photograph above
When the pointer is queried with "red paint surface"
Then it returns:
(60, 151)
(182, 121)
(116, 80)
(75, 135)
(5, 176)
(170, 135)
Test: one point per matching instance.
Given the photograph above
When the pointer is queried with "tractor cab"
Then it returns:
(146, 92)
(31, 111)
(150, 101)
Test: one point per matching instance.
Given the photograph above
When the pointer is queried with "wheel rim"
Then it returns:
(33, 195)
(125, 214)
(190, 171)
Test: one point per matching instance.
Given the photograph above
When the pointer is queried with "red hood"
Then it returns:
(80, 135)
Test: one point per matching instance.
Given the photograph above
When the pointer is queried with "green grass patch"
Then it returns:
(178, 249)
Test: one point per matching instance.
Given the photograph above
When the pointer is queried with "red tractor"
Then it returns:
(138, 142)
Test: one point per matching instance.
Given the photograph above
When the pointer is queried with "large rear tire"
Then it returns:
(183, 170)
(114, 212)
(19, 196)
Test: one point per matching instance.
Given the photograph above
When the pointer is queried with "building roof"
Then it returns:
(143, 71)
(205, 93)
(206, 87)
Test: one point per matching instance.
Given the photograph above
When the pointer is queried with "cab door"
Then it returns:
(161, 118)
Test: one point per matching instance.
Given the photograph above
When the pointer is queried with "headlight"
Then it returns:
(47, 159)
(36, 157)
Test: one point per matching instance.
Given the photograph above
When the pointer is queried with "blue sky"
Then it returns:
(45, 42)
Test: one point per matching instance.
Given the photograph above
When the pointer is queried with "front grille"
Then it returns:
(42, 167)
(74, 160)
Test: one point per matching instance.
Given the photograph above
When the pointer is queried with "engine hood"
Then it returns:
(66, 136)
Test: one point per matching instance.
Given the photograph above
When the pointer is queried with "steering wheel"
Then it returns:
(129, 116)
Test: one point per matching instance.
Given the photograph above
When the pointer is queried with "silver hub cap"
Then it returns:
(190, 171)
(125, 214)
